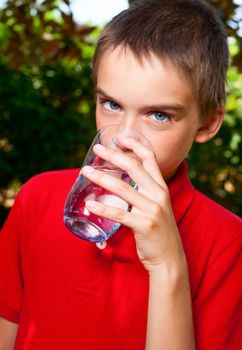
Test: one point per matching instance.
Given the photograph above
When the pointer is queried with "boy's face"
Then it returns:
(152, 97)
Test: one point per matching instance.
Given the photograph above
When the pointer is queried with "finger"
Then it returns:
(134, 221)
(147, 157)
(133, 167)
(118, 187)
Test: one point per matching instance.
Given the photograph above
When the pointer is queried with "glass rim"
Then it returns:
(103, 128)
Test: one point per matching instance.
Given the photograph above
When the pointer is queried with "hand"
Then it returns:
(151, 218)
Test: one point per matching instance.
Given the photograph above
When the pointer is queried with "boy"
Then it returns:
(159, 68)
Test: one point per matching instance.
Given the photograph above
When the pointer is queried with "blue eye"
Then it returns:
(111, 106)
(159, 116)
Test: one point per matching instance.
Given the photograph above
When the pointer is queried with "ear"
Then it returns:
(210, 127)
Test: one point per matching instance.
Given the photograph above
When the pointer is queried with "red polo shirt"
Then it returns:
(67, 294)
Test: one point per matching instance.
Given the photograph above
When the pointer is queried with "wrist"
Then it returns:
(171, 275)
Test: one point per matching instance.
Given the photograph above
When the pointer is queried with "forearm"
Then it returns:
(170, 324)
(8, 331)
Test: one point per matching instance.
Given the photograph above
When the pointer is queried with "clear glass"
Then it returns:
(77, 218)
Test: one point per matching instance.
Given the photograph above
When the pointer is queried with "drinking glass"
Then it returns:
(77, 218)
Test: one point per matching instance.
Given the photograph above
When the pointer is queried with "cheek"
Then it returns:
(100, 120)
(171, 148)
(103, 119)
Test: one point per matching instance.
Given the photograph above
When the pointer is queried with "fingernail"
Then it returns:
(99, 147)
(91, 204)
(87, 170)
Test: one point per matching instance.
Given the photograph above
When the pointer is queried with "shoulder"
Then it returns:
(210, 232)
(41, 199)
(212, 239)
(209, 213)
(216, 275)
(53, 178)
(215, 225)
(47, 187)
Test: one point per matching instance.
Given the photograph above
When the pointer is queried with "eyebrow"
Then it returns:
(163, 106)
(104, 94)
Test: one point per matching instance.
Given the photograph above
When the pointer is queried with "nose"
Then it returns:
(132, 121)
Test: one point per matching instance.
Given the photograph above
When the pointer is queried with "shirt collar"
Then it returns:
(181, 192)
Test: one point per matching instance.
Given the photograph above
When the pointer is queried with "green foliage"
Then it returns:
(45, 117)
(47, 112)
(216, 167)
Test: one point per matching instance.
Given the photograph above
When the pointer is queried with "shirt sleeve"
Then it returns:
(218, 305)
(11, 284)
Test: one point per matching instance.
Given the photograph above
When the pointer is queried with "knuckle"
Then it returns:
(133, 164)
(101, 177)
(162, 198)
(152, 221)
(165, 199)
(156, 210)
(150, 154)
(119, 215)
(121, 187)
(137, 164)
(149, 225)
(105, 211)
(112, 154)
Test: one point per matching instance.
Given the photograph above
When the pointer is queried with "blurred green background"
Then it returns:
(47, 107)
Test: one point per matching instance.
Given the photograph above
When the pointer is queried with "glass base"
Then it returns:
(87, 230)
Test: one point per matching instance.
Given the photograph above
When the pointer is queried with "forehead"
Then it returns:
(147, 77)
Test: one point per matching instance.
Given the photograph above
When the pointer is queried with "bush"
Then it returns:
(215, 167)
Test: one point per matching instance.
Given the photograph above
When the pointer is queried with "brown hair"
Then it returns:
(188, 33)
